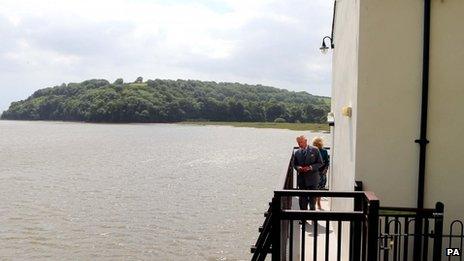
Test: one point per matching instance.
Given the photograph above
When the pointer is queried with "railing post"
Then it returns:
(372, 230)
(356, 231)
(437, 241)
(275, 232)
(418, 227)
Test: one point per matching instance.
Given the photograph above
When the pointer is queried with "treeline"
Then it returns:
(168, 101)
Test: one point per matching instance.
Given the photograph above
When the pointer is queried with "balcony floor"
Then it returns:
(321, 238)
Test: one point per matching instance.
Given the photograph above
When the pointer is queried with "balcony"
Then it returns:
(367, 232)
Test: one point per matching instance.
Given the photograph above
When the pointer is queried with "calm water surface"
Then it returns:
(135, 191)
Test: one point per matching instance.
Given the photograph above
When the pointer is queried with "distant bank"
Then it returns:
(169, 101)
(314, 127)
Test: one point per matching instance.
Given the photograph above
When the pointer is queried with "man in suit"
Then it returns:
(307, 161)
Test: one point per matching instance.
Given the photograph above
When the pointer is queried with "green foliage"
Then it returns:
(118, 81)
(280, 120)
(168, 101)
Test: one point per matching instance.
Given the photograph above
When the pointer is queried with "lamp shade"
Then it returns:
(324, 49)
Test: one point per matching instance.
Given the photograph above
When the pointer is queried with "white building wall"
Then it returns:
(389, 93)
(445, 152)
(377, 69)
(345, 67)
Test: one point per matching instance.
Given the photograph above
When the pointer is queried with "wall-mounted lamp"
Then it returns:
(324, 47)
(330, 119)
(347, 111)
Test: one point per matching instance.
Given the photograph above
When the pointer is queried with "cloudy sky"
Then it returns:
(45, 43)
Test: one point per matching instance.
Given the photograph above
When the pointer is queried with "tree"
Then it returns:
(97, 100)
(119, 81)
(280, 120)
(274, 111)
(139, 80)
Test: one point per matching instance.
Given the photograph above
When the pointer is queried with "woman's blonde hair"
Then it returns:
(318, 142)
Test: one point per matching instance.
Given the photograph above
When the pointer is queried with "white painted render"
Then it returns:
(445, 154)
(377, 69)
(345, 80)
(389, 94)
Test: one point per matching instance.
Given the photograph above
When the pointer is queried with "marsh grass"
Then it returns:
(316, 127)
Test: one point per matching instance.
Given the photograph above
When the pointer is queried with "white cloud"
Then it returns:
(259, 41)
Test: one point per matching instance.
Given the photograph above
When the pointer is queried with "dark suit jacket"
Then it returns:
(308, 157)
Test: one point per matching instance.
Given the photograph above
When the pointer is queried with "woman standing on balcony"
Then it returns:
(319, 143)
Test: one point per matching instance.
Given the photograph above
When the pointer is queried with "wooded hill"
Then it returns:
(168, 101)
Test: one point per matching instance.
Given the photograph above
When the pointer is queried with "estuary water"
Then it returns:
(77, 191)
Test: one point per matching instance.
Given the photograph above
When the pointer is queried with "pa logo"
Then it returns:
(453, 252)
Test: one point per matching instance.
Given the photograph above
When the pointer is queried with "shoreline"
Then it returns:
(315, 127)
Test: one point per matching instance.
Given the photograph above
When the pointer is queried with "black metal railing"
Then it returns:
(263, 244)
(417, 234)
(277, 234)
(410, 233)
(454, 239)
(362, 223)
(367, 232)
